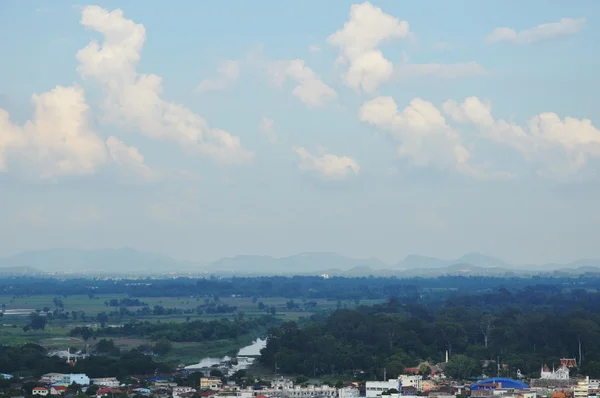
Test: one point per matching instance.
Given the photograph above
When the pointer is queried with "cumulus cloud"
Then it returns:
(328, 166)
(359, 40)
(130, 158)
(310, 89)
(547, 31)
(424, 135)
(58, 140)
(228, 72)
(267, 127)
(134, 100)
(557, 146)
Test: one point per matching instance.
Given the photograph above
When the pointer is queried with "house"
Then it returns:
(41, 391)
(107, 382)
(6, 376)
(182, 391)
(51, 378)
(214, 383)
(105, 392)
(58, 390)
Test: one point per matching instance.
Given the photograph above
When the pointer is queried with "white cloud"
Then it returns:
(310, 89)
(328, 166)
(129, 158)
(134, 100)
(267, 126)
(359, 40)
(425, 137)
(57, 141)
(442, 71)
(557, 146)
(228, 72)
(547, 31)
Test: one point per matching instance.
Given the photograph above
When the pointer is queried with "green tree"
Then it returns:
(461, 367)
(163, 346)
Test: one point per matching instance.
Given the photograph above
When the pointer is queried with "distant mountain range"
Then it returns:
(104, 261)
(130, 262)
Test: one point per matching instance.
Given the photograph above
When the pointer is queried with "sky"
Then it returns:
(205, 129)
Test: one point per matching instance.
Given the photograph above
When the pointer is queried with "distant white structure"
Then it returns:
(581, 390)
(78, 378)
(376, 388)
(181, 390)
(415, 381)
(111, 382)
(282, 383)
(561, 373)
(325, 276)
(348, 392)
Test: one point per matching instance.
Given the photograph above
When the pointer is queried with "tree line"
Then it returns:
(308, 287)
(525, 328)
(194, 331)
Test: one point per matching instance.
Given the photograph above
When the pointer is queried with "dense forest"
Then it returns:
(524, 328)
(309, 287)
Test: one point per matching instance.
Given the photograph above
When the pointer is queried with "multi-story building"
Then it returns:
(415, 381)
(78, 378)
(213, 383)
(581, 390)
(376, 388)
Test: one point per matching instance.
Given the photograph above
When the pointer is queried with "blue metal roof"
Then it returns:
(505, 381)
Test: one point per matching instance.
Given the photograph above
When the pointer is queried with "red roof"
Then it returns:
(39, 389)
(261, 396)
(60, 388)
(208, 393)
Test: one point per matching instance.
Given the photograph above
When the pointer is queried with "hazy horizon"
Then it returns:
(367, 129)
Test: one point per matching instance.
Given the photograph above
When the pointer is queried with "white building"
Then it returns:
(180, 390)
(561, 373)
(309, 392)
(376, 388)
(415, 381)
(111, 382)
(78, 378)
(282, 383)
(581, 390)
(41, 391)
(348, 392)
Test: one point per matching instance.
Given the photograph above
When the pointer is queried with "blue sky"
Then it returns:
(210, 129)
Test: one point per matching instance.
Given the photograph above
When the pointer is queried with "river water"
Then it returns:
(252, 349)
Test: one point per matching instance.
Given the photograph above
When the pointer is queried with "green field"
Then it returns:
(55, 336)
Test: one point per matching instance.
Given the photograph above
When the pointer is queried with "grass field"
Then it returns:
(55, 336)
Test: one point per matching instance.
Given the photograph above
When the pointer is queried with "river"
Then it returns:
(252, 349)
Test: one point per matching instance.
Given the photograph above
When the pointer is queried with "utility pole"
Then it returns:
(384, 374)
(498, 363)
